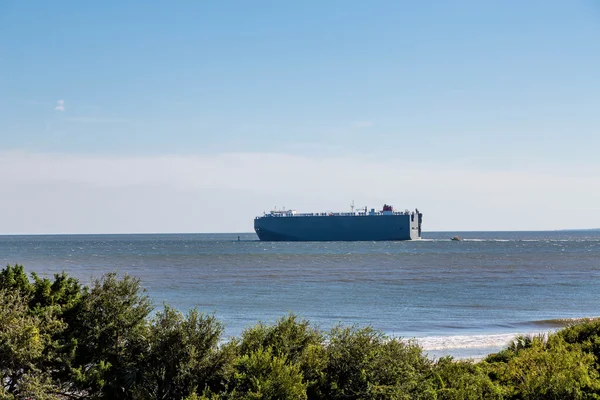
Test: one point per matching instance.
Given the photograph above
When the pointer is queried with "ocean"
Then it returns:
(466, 299)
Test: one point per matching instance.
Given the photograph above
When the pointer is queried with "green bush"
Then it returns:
(295, 340)
(266, 376)
(551, 369)
(23, 340)
(60, 340)
(365, 364)
(182, 356)
(458, 380)
(108, 327)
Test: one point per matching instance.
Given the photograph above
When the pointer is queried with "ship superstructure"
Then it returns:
(361, 225)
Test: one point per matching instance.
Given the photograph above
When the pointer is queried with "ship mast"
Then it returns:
(352, 206)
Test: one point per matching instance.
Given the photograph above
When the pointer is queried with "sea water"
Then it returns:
(462, 298)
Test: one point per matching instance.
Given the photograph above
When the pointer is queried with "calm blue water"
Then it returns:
(461, 298)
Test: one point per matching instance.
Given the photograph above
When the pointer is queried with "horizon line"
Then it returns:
(252, 232)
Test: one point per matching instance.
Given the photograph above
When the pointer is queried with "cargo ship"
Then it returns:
(361, 225)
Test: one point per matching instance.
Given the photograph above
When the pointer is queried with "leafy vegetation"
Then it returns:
(63, 340)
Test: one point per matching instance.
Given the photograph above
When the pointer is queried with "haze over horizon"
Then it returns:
(195, 117)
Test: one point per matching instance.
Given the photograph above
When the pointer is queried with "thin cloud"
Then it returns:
(95, 120)
(363, 124)
(60, 105)
(223, 192)
(37, 103)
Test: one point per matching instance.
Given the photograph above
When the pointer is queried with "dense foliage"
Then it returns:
(63, 340)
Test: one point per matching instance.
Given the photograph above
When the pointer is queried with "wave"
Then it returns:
(489, 240)
(468, 341)
(514, 240)
(465, 240)
(559, 322)
(497, 340)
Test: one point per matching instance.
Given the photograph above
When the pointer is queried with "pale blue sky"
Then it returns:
(496, 88)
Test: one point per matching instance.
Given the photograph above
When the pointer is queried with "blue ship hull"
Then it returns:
(339, 227)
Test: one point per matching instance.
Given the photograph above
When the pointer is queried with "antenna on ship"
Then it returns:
(352, 206)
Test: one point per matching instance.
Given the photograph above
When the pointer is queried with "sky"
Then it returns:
(197, 116)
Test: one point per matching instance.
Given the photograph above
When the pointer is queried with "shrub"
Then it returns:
(182, 356)
(463, 380)
(365, 364)
(263, 375)
(549, 370)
